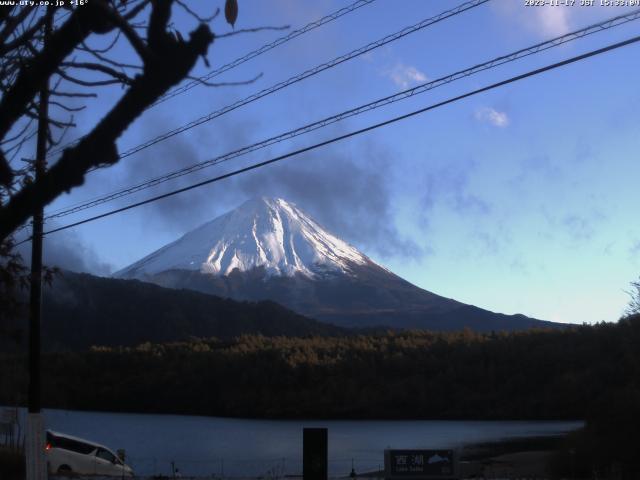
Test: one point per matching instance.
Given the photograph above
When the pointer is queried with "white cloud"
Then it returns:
(553, 21)
(404, 75)
(546, 21)
(492, 116)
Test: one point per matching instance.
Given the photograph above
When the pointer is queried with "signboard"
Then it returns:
(414, 464)
(314, 454)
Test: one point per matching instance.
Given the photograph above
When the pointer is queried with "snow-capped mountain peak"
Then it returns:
(264, 232)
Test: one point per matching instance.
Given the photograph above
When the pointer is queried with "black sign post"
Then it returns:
(420, 464)
(314, 454)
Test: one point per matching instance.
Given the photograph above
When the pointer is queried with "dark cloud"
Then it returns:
(186, 210)
(347, 188)
(634, 250)
(518, 266)
(67, 251)
(488, 243)
(584, 151)
(157, 160)
(541, 167)
(578, 227)
(349, 192)
(449, 186)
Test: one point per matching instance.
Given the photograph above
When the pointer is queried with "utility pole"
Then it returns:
(35, 455)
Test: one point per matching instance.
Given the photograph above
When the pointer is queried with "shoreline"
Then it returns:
(294, 418)
(521, 451)
(521, 457)
(510, 458)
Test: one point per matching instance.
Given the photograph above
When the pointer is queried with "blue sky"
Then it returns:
(522, 199)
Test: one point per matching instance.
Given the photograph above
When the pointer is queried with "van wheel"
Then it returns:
(64, 470)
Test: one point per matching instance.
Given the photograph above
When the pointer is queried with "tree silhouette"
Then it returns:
(165, 58)
(76, 50)
(633, 308)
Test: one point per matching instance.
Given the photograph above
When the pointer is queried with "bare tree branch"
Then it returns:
(56, 142)
(197, 16)
(73, 94)
(169, 62)
(17, 135)
(111, 44)
(12, 23)
(131, 14)
(5, 13)
(16, 148)
(251, 30)
(97, 67)
(23, 38)
(103, 58)
(134, 39)
(29, 80)
(87, 83)
(66, 107)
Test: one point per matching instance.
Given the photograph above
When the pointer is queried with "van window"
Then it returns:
(106, 455)
(69, 444)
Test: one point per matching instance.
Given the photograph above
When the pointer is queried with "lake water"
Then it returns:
(208, 446)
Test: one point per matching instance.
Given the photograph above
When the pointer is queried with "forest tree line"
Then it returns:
(587, 372)
(555, 374)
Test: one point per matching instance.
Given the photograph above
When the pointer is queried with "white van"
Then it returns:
(72, 455)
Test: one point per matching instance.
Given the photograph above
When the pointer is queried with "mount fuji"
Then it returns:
(269, 234)
(269, 249)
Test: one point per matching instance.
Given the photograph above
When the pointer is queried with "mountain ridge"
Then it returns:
(81, 310)
(262, 232)
(270, 249)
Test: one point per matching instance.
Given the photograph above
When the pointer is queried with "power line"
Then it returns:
(279, 86)
(516, 78)
(610, 23)
(245, 58)
(308, 73)
(263, 49)
(303, 76)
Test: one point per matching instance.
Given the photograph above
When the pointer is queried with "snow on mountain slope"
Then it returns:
(263, 232)
(268, 249)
